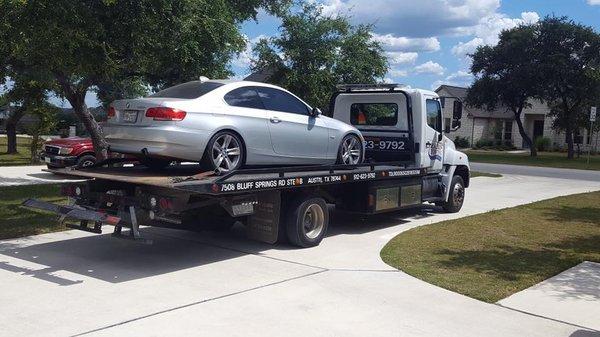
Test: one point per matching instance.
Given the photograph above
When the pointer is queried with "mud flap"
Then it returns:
(263, 225)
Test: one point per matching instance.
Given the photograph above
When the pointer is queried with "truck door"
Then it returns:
(433, 138)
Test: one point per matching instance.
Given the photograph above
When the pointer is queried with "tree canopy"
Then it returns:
(80, 45)
(315, 52)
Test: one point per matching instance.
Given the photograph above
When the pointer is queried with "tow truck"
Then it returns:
(409, 161)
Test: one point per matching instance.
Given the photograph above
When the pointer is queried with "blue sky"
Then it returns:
(426, 41)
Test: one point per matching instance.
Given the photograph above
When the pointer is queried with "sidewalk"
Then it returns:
(28, 175)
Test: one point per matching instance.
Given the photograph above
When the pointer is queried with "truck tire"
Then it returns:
(86, 160)
(307, 221)
(456, 197)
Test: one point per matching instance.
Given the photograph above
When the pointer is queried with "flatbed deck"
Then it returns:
(191, 177)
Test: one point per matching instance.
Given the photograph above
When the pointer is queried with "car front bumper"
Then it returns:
(58, 161)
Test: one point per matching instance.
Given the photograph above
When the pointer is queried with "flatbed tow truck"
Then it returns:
(279, 203)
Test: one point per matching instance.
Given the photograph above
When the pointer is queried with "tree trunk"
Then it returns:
(84, 115)
(570, 145)
(526, 138)
(11, 130)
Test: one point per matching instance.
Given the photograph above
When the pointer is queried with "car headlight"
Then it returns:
(65, 150)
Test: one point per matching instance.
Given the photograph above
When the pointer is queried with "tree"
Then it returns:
(507, 76)
(88, 44)
(315, 52)
(570, 63)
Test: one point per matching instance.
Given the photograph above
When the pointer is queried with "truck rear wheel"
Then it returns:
(307, 221)
(456, 196)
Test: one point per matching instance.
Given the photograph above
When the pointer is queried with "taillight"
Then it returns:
(165, 114)
(111, 112)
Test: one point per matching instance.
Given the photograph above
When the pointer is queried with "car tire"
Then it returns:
(351, 151)
(456, 196)
(155, 164)
(230, 158)
(85, 161)
(307, 221)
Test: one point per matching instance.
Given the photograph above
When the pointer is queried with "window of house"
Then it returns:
(577, 137)
(379, 114)
(245, 97)
(277, 100)
(434, 114)
(508, 125)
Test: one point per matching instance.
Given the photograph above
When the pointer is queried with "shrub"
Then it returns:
(461, 142)
(542, 143)
(484, 143)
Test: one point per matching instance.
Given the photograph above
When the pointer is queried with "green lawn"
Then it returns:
(493, 255)
(475, 174)
(546, 159)
(16, 221)
(21, 158)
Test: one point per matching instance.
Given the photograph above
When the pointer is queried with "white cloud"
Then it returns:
(487, 31)
(413, 18)
(243, 59)
(395, 73)
(429, 67)
(593, 2)
(405, 44)
(461, 78)
(396, 57)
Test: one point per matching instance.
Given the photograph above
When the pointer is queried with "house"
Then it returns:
(499, 125)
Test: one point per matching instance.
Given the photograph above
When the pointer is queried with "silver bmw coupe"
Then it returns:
(229, 124)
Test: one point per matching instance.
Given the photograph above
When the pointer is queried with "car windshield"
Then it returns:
(188, 90)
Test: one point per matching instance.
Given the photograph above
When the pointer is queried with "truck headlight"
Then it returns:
(65, 150)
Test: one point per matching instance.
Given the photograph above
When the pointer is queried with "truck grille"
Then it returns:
(51, 149)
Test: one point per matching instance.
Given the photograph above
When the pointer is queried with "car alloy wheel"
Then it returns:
(226, 152)
(351, 151)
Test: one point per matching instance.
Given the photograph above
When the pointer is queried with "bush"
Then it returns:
(461, 142)
(484, 143)
(542, 143)
(494, 144)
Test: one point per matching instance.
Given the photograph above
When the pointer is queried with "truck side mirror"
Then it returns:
(315, 112)
(457, 111)
(443, 102)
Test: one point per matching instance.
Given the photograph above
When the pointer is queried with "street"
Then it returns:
(73, 283)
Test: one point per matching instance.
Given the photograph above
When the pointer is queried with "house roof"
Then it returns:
(461, 93)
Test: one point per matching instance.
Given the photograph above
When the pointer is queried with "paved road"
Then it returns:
(28, 175)
(224, 285)
(548, 172)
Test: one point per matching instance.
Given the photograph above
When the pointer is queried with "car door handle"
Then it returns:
(274, 120)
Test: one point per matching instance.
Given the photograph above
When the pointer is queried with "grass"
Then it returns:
(475, 174)
(493, 255)
(16, 221)
(21, 158)
(545, 159)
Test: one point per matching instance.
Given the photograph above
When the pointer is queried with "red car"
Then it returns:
(65, 152)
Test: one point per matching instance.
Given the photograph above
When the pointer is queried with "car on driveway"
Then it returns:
(228, 124)
(73, 151)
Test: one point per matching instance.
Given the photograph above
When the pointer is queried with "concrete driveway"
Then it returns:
(28, 175)
(74, 283)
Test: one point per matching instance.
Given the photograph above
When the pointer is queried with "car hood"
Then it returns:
(70, 142)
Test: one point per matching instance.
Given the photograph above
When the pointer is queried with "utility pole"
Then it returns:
(592, 120)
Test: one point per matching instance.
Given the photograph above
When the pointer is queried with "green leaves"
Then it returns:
(315, 52)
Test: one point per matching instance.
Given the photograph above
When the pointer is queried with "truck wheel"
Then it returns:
(456, 196)
(350, 151)
(155, 164)
(85, 161)
(307, 221)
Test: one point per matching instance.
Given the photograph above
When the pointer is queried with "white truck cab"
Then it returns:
(402, 124)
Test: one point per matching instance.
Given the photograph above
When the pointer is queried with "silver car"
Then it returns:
(229, 124)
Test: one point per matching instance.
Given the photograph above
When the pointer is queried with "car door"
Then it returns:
(433, 135)
(294, 134)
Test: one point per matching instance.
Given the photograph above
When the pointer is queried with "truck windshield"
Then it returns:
(188, 90)
(379, 114)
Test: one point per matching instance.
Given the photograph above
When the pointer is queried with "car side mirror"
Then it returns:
(457, 111)
(315, 112)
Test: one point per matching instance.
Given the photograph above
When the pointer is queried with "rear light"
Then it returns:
(165, 114)
(111, 112)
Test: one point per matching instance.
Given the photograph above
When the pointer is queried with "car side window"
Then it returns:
(434, 114)
(245, 97)
(277, 100)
